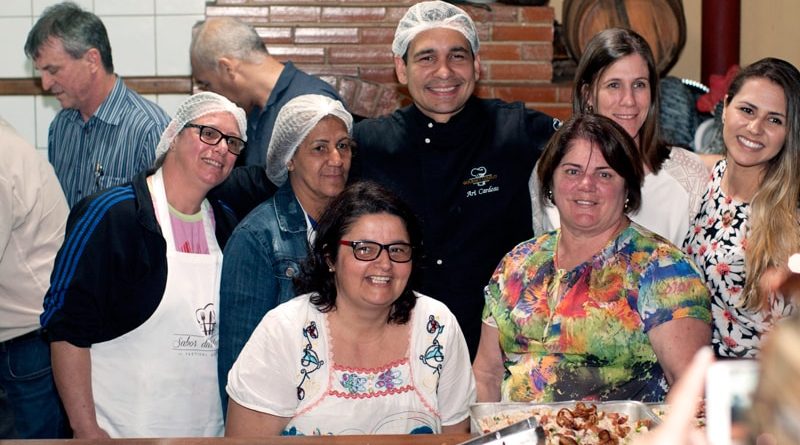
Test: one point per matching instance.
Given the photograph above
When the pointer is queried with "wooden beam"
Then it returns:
(142, 85)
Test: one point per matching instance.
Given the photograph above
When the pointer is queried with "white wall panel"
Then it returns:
(19, 112)
(174, 35)
(132, 44)
(15, 31)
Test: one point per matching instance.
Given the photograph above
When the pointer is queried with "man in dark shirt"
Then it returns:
(461, 162)
(229, 58)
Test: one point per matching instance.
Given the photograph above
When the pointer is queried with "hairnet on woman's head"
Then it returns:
(194, 107)
(295, 120)
(430, 15)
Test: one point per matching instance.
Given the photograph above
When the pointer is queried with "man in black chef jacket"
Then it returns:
(461, 162)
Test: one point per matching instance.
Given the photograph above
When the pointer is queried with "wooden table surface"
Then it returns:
(422, 439)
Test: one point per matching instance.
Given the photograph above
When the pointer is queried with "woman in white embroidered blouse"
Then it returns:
(359, 352)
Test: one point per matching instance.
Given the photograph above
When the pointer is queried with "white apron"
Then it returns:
(160, 380)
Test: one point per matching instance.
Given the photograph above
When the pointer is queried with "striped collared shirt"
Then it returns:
(117, 142)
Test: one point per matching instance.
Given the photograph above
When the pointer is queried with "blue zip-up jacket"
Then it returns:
(111, 271)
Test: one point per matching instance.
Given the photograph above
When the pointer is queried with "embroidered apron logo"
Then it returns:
(206, 318)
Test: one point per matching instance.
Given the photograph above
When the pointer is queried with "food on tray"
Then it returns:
(581, 425)
(661, 410)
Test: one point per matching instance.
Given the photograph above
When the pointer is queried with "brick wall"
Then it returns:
(346, 40)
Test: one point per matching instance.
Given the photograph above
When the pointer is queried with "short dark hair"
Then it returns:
(357, 200)
(615, 144)
(78, 30)
(605, 48)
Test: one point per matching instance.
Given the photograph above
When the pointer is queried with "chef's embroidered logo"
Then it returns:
(479, 177)
(204, 339)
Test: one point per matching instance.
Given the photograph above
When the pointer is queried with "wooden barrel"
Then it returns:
(660, 22)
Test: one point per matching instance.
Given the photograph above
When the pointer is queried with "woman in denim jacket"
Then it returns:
(311, 146)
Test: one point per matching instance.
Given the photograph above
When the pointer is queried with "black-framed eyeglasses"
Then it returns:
(212, 136)
(370, 250)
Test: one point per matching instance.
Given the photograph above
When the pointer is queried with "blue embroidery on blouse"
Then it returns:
(291, 432)
(422, 430)
(310, 360)
(353, 383)
(434, 352)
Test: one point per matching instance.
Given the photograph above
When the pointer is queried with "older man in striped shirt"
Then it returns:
(105, 133)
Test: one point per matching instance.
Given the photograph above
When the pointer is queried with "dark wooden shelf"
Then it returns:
(142, 85)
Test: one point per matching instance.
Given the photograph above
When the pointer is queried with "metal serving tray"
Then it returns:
(634, 410)
(658, 409)
(525, 432)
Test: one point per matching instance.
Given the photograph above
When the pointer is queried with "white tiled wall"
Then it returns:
(148, 38)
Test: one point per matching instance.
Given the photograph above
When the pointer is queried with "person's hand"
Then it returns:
(784, 280)
(773, 279)
(94, 432)
(679, 426)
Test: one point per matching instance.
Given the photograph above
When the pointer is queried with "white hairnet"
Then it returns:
(430, 15)
(295, 120)
(194, 107)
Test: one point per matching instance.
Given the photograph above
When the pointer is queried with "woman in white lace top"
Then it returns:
(617, 78)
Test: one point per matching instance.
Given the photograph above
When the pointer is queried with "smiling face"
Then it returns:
(589, 194)
(754, 127)
(200, 163)
(440, 72)
(70, 80)
(371, 285)
(318, 170)
(622, 93)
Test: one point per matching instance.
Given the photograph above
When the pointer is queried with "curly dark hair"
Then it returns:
(357, 200)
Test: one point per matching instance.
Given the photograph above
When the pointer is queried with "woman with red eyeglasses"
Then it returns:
(359, 352)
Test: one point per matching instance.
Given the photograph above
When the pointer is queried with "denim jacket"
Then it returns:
(260, 260)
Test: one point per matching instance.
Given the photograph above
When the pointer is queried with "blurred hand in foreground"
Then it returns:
(679, 426)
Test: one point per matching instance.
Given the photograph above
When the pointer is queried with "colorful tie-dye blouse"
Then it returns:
(582, 334)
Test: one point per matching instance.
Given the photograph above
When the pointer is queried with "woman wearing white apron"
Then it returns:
(132, 308)
(359, 352)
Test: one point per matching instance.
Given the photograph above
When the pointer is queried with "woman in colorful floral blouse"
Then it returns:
(748, 221)
(601, 308)
(359, 352)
